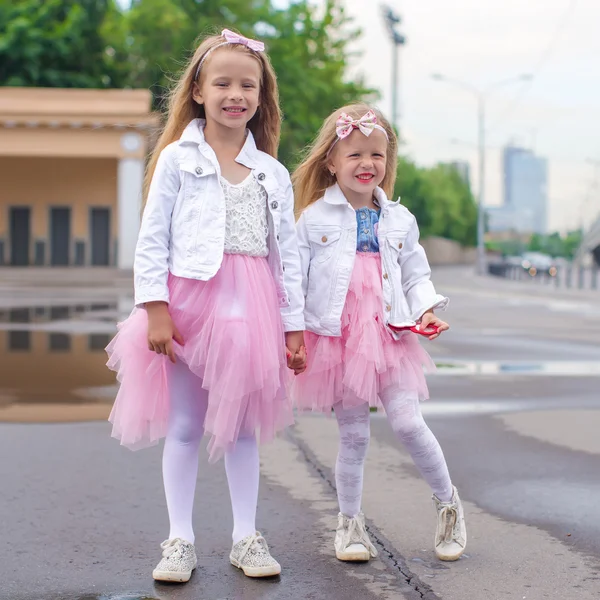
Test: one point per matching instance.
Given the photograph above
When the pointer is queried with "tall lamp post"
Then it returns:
(482, 95)
(393, 20)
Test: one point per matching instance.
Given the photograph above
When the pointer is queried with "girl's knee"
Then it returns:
(185, 431)
(409, 429)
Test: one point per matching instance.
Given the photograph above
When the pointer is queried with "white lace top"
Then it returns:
(246, 226)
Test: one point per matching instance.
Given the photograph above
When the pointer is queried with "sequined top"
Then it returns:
(246, 225)
(366, 235)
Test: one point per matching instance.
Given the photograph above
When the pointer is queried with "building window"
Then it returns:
(19, 340)
(59, 342)
(98, 341)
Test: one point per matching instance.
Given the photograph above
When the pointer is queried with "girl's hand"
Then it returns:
(296, 351)
(428, 319)
(161, 330)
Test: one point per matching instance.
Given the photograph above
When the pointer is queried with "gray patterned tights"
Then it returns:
(404, 414)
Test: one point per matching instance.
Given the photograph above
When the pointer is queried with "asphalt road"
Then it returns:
(515, 405)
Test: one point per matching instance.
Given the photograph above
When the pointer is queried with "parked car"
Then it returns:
(537, 263)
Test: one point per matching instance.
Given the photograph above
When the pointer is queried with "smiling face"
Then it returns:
(359, 163)
(229, 88)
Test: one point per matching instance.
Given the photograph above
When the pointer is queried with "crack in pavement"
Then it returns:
(388, 554)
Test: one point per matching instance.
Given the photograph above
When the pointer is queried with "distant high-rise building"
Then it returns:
(525, 206)
(526, 189)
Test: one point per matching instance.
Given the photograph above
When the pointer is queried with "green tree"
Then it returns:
(56, 43)
(309, 50)
(440, 200)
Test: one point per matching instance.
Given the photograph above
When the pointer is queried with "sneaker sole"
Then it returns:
(174, 577)
(449, 557)
(257, 571)
(353, 556)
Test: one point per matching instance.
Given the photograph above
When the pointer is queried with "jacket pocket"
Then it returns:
(395, 241)
(194, 178)
(323, 243)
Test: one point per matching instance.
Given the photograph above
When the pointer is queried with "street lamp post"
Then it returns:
(481, 95)
(392, 20)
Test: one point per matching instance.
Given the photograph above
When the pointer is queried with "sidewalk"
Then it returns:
(464, 278)
(503, 559)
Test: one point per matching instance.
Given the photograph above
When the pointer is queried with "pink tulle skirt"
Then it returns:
(366, 360)
(233, 341)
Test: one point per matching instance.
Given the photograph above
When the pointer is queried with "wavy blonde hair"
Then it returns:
(265, 125)
(312, 177)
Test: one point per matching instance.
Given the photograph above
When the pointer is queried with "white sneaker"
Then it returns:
(178, 561)
(451, 534)
(352, 542)
(252, 556)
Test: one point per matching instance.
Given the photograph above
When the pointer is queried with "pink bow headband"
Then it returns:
(345, 125)
(232, 38)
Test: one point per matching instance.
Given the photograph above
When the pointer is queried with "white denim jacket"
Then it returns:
(327, 243)
(183, 226)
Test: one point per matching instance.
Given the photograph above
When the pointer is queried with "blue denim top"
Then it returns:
(366, 234)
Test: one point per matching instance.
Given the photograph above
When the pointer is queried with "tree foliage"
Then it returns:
(96, 44)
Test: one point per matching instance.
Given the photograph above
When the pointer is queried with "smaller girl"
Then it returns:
(367, 288)
(218, 296)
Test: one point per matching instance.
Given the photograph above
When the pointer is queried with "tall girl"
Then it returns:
(218, 296)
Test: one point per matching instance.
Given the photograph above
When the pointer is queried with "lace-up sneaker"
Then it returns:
(252, 556)
(352, 542)
(451, 534)
(178, 561)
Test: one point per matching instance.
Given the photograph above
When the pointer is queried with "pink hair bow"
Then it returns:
(232, 38)
(346, 124)
(235, 38)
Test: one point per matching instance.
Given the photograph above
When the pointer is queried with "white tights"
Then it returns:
(404, 415)
(189, 402)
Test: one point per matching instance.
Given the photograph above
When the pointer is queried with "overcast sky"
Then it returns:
(482, 42)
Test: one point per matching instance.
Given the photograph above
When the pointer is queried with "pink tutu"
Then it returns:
(366, 360)
(233, 340)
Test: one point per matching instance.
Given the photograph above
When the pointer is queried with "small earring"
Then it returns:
(332, 173)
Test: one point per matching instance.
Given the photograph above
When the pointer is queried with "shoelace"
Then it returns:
(355, 526)
(257, 543)
(171, 547)
(449, 519)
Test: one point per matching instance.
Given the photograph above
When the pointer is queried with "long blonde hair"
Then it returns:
(265, 125)
(312, 176)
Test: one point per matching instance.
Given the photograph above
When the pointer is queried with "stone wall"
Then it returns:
(441, 251)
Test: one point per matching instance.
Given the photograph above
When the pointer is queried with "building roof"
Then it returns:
(60, 107)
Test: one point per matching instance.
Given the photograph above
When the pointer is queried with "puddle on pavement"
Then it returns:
(118, 597)
(545, 368)
(52, 375)
(53, 363)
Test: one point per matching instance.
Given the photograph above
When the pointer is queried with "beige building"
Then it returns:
(71, 171)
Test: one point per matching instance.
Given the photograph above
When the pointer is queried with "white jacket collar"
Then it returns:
(194, 134)
(334, 195)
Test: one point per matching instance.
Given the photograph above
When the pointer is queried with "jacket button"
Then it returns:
(400, 245)
(388, 308)
(199, 171)
(274, 204)
(324, 239)
(261, 176)
(385, 275)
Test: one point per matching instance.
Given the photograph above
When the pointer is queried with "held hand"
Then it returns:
(429, 319)
(162, 330)
(296, 351)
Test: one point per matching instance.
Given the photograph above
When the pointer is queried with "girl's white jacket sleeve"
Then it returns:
(416, 277)
(151, 264)
(292, 315)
